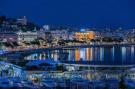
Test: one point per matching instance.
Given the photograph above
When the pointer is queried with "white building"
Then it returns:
(22, 20)
(46, 27)
(41, 33)
(71, 36)
(26, 36)
(60, 34)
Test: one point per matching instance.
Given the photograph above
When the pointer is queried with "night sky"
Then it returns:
(81, 13)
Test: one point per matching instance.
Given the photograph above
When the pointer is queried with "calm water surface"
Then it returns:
(103, 54)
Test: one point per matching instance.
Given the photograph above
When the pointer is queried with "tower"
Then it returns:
(22, 20)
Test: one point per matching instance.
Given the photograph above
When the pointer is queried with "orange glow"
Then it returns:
(77, 54)
(85, 35)
(87, 54)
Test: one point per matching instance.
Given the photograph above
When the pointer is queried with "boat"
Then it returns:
(5, 83)
(98, 84)
(61, 83)
(112, 83)
(29, 85)
(79, 83)
(129, 83)
(20, 83)
(16, 81)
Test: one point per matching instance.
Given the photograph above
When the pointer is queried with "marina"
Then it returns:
(83, 68)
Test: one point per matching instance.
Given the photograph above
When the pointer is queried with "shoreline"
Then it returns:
(98, 45)
(85, 46)
(74, 46)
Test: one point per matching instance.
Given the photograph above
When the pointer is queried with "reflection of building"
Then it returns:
(85, 35)
(77, 54)
(87, 54)
(102, 53)
(82, 54)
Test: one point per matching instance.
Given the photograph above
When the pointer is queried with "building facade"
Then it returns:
(84, 35)
(26, 36)
(8, 37)
(60, 34)
(22, 20)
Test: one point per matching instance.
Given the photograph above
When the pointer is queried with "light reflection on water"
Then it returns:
(132, 53)
(106, 53)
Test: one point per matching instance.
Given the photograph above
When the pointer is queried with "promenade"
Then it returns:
(69, 46)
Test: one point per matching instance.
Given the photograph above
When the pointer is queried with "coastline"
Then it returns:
(73, 46)
(98, 45)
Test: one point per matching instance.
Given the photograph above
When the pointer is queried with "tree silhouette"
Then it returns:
(121, 83)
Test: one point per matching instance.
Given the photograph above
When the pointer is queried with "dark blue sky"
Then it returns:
(81, 13)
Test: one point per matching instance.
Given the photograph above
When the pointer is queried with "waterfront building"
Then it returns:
(60, 34)
(107, 34)
(41, 33)
(44, 32)
(84, 35)
(133, 35)
(48, 36)
(26, 36)
(98, 34)
(8, 37)
(129, 36)
(70, 35)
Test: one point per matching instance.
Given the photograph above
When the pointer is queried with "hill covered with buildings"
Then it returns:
(22, 33)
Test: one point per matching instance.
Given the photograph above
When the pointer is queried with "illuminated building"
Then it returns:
(26, 36)
(60, 34)
(85, 35)
(46, 27)
(8, 36)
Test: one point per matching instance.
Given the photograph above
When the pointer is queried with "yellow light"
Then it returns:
(85, 35)
(77, 55)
